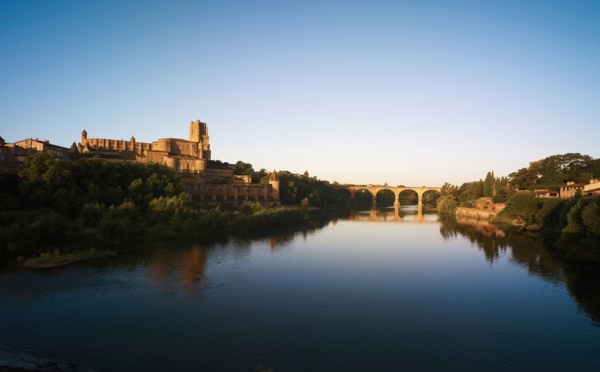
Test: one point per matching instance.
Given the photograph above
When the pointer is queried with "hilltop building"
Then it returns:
(571, 189)
(547, 193)
(13, 155)
(209, 182)
(184, 156)
(593, 188)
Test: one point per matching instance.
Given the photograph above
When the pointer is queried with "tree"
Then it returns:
(501, 189)
(590, 216)
(523, 179)
(488, 185)
(446, 204)
(449, 189)
(556, 170)
(470, 191)
(242, 168)
(522, 205)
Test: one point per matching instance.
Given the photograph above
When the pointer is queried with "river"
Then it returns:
(368, 293)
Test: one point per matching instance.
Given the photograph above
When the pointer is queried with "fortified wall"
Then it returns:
(189, 156)
(207, 181)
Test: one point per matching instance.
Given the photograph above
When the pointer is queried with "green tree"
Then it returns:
(590, 216)
(488, 185)
(447, 204)
(470, 191)
(522, 205)
(242, 168)
(523, 179)
(556, 170)
(502, 190)
(449, 189)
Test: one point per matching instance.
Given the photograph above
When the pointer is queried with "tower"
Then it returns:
(84, 137)
(199, 135)
(274, 182)
(195, 131)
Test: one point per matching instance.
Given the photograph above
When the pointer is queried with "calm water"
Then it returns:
(350, 294)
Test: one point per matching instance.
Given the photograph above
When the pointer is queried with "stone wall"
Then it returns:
(473, 213)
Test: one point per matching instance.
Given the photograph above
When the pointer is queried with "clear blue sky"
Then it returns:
(403, 92)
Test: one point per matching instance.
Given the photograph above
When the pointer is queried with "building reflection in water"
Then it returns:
(187, 263)
(193, 264)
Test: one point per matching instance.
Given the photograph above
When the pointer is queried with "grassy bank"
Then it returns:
(55, 259)
(34, 234)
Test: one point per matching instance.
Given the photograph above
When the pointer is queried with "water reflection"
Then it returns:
(381, 294)
(189, 261)
(531, 252)
(408, 213)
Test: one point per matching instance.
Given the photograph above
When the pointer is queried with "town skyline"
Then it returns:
(386, 92)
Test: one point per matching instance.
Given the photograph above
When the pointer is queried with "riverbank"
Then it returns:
(40, 249)
(56, 259)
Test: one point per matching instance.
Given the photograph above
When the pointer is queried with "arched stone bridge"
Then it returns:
(396, 190)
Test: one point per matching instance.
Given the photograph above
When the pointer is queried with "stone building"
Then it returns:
(209, 182)
(547, 193)
(571, 189)
(593, 188)
(184, 156)
(13, 155)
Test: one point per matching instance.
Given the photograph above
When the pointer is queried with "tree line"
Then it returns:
(570, 225)
(95, 203)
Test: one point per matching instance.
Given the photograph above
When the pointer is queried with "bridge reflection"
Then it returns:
(412, 213)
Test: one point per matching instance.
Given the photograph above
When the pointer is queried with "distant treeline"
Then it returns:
(95, 203)
(570, 225)
(296, 189)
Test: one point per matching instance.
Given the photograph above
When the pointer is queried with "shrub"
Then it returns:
(522, 205)
(575, 230)
(91, 214)
(248, 208)
(546, 215)
(447, 204)
(499, 198)
(467, 204)
(590, 216)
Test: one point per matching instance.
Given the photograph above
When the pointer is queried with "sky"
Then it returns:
(414, 93)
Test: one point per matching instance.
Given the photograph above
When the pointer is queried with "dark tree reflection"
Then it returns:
(533, 253)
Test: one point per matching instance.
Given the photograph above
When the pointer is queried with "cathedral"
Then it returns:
(184, 156)
(207, 181)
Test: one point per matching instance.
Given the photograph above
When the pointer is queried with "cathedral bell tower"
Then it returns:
(199, 135)
(195, 131)
(84, 137)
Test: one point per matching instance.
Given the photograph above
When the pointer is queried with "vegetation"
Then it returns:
(556, 170)
(77, 205)
(55, 258)
(571, 225)
(297, 189)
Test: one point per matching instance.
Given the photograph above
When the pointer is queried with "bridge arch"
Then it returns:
(430, 196)
(396, 190)
(384, 198)
(409, 195)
